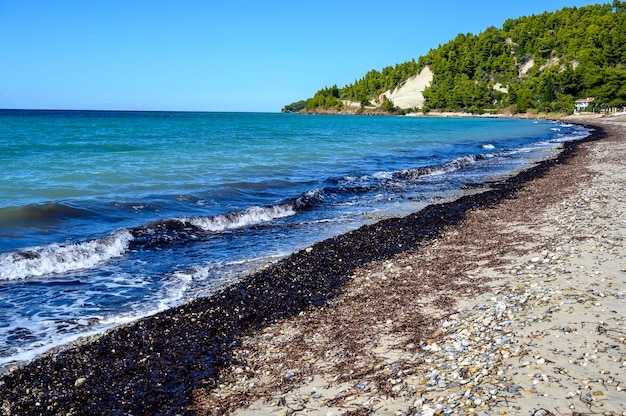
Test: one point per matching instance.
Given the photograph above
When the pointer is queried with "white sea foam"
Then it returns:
(488, 146)
(56, 258)
(240, 219)
(383, 175)
(48, 335)
(454, 165)
(22, 355)
(174, 289)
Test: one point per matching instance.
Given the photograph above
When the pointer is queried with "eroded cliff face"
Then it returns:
(409, 94)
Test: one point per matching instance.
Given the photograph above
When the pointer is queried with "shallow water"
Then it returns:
(108, 216)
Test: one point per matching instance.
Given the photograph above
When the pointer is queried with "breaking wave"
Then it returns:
(58, 258)
(454, 165)
(239, 219)
(55, 258)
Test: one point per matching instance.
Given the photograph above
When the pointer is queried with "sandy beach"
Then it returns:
(519, 309)
(509, 301)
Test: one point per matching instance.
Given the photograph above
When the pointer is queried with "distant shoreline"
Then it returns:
(582, 117)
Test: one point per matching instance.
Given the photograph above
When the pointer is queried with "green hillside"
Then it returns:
(536, 63)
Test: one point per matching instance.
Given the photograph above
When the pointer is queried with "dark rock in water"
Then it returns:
(150, 367)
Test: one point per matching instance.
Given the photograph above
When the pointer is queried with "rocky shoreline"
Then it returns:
(328, 319)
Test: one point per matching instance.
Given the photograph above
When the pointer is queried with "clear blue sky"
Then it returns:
(228, 55)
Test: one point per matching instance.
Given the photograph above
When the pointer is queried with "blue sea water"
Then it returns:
(109, 216)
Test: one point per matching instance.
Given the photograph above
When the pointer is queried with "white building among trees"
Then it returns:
(582, 103)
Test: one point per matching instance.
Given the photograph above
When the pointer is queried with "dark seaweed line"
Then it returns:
(150, 367)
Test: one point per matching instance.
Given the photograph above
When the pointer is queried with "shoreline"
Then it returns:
(157, 363)
(542, 333)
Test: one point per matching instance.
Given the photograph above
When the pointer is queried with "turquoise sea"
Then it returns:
(109, 216)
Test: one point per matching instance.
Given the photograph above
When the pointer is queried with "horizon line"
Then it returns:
(134, 111)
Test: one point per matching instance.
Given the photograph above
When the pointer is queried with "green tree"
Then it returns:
(294, 107)
(577, 51)
(524, 100)
(548, 92)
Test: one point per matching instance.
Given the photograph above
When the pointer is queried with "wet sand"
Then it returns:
(365, 323)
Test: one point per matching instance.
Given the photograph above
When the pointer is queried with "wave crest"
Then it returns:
(55, 258)
(453, 165)
(240, 219)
